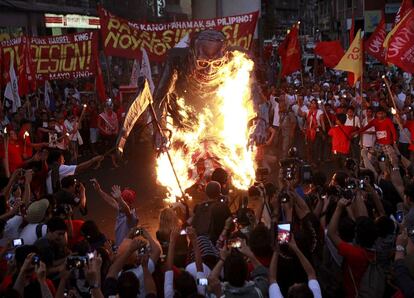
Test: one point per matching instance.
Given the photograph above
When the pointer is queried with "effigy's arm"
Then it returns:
(260, 122)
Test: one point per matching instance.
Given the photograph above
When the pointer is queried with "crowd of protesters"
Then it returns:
(331, 213)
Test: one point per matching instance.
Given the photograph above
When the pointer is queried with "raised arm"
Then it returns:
(333, 224)
(107, 198)
(307, 266)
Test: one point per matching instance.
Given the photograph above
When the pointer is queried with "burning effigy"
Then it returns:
(206, 102)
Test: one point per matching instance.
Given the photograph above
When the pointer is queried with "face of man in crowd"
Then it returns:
(350, 113)
(381, 115)
(58, 237)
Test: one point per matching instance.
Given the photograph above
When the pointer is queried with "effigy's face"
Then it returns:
(209, 58)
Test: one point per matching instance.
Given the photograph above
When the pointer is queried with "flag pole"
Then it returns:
(108, 73)
(155, 118)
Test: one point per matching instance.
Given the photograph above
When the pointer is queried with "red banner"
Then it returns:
(65, 56)
(374, 45)
(12, 50)
(124, 38)
(400, 50)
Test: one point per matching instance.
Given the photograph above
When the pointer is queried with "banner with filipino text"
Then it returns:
(125, 38)
(66, 57)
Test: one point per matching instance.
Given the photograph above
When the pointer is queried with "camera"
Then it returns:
(18, 242)
(381, 157)
(294, 168)
(283, 196)
(35, 260)
(76, 262)
(139, 232)
(142, 251)
(234, 243)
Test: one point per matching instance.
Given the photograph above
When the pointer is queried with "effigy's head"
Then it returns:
(208, 55)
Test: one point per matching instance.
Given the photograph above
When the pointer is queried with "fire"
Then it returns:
(219, 136)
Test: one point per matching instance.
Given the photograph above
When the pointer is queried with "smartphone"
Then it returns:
(202, 282)
(35, 260)
(283, 233)
(183, 232)
(399, 216)
(18, 242)
(9, 256)
(142, 251)
(234, 243)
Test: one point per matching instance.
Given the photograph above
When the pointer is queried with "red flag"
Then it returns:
(25, 71)
(289, 52)
(405, 7)
(351, 78)
(99, 81)
(374, 45)
(400, 51)
(330, 51)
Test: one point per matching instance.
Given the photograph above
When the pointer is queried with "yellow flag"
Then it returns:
(353, 58)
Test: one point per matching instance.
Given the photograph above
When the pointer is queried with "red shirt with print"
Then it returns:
(385, 131)
(341, 138)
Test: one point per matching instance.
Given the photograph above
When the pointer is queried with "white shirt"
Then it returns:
(275, 106)
(274, 290)
(61, 143)
(368, 140)
(291, 99)
(401, 100)
(11, 230)
(140, 275)
(300, 120)
(64, 171)
(353, 122)
(75, 137)
(319, 113)
(29, 233)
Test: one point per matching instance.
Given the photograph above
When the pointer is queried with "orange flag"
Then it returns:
(353, 59)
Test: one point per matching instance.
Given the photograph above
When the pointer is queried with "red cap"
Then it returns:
(129, 196)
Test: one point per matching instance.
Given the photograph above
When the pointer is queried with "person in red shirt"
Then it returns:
(386, 135)
(14, 157)
(341, 140)
(356, 256)
(25, 140)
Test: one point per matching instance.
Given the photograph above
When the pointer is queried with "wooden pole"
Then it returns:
(108, 73)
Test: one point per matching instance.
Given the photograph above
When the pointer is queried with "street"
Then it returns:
(137, 174)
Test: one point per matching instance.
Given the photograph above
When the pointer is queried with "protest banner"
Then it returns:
(125, 38)
(66, 57)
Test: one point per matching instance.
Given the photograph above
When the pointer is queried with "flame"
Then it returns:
(219, 135)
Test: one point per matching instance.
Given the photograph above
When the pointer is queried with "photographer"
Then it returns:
(356, 256)
(236, 277)
(311, 289)
(58, 169)
(71, 195)
(29, 279)
(134, 260)
(53, 247)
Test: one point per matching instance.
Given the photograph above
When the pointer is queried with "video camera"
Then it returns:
(295, 169)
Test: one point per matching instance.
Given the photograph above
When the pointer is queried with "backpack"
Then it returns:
(39, 228)
(372, 283)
